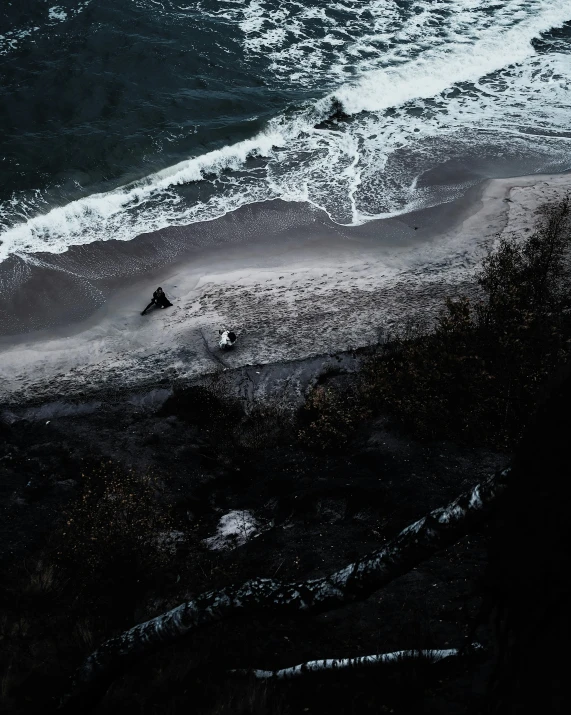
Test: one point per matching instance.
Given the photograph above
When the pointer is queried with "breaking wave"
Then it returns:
(396, 94)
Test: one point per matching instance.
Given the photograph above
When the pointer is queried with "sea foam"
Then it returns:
(405, 93)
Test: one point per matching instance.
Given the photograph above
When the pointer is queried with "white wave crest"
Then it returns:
(471, 71)
(455, 62)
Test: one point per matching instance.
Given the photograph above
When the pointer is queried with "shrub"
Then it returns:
(476, 376)
(116, 529)
(264, 426)
(330, 417)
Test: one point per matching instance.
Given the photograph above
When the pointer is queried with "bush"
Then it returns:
(117, 530)
(264, 426)
(330, 417)
(116, 543)
(232, 430)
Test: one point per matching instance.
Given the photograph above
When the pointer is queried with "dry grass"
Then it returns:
(83, 632)
(114, 524)
(94, 571)
(44, 578)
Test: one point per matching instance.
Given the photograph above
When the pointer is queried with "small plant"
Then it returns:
(43, 578)
(83, 633)
(476, 377)
(265, 425)
(114, 528)
(330, 417)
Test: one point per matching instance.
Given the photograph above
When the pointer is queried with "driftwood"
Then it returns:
(438, 529)
(358, 662)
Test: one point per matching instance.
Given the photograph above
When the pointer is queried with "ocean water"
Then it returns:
(118, 118)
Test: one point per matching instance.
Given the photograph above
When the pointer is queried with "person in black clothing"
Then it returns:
(159, 299)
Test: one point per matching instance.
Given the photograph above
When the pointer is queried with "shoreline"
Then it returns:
(300, 287)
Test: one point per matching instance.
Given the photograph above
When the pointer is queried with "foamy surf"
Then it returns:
(446, 81)
(53, 14)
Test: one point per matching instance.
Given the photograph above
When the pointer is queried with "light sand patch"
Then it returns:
(324, 298)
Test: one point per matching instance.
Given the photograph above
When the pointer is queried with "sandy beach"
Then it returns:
(291, 283)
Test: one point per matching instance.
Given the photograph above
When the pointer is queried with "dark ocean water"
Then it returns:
(123, 117)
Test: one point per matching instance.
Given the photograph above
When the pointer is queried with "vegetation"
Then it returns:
(477, 377)
(330, 417)
(114, 543)
(120, 526)
(235, 430)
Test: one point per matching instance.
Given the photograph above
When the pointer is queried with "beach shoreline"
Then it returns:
(290, 282)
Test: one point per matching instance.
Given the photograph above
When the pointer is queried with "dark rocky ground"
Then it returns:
(316, 511)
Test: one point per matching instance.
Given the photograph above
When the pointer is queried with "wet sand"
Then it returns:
(289, 281)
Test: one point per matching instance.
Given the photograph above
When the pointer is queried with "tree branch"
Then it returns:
(314, 666)
(436, 530)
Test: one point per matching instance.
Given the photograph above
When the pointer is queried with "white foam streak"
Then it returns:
(94, 217)
(439, 69)
(229, 157)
